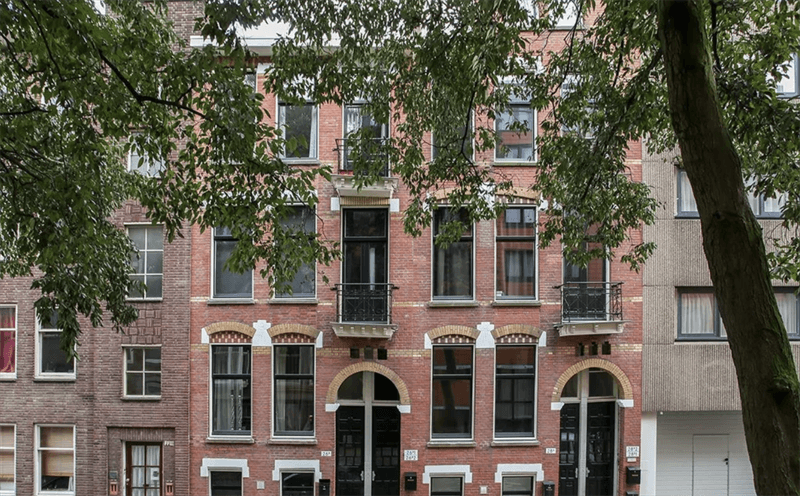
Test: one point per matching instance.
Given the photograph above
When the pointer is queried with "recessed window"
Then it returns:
(515, 391)
(452, 264)
(302, 222)
(451, 415)
(516, 130)
(518, 486)
(226, 283)
(142, 163)
(8, 342)
(226, 483)
(294, 390)
(687, 206)
(143, 372)
(786, 86)
(515, 246)
(52, 360)
(698, 315)
(446, 486)
(143, 475)
(761, 205)
(458, 139)
(299, 125)
(569, 18)
(297, 484)
(55, 450)
(7, 460)
(148, 262)
(230, 383)
(363, 146)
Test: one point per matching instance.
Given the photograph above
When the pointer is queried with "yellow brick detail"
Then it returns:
(230, 326)
(333, 389)
(453, 330)
(293, 329)
(599, 363)
(517, 329)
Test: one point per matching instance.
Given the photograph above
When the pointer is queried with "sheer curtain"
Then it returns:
(697, 313)
(8, 326)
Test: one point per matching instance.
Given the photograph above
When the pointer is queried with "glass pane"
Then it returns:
(517, 222)
(294, 405)
(134, 359)
(511, 143)
(452, 403)
(231, 360)
(152, 358)
(515, 359)
(300, 130)
(570, 388)
(134, 384)
(153, 455)
(385, 389)
(54, 360)
(697, 313)
(685, 194)
(295, 360)
(138, 262)
(138, 237)
(155, 262)
(445, 485)
(227, 283)
(135, 293)
(152, 384)
(453, 270)
(155, 238)
(7, 351)
(352, 387)
(517, 486)
(297, 484)
(365, 223)
(153, 286)
(6, 436)
(601, 383)
(787, 304)
(452, 360)
(8, 318)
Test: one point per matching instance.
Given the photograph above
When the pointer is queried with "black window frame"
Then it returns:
(224, 487)
(294, 376)
(247, 403)
(302, 489)
(441, 216)
(529, 375)
(439, 377)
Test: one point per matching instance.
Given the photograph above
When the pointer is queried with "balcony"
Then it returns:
(364, 310)
(369, 157)
(590, 308)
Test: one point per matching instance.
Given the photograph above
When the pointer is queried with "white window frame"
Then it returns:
(473, 241)
(12, 375)
(515, 101)
(154, 167)
(313, 151)
(55, 376)
(223, 298)
(125, 393)
(143, 253)
(312, 434)
(792, 75)
(291, 297)
(570, 18)
(535, 395)
(536, 257)
(444, 437)
(13, 449)
(38, 467)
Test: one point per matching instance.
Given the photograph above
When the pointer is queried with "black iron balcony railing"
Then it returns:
(364, 302)
(591, 301)
(371, 152)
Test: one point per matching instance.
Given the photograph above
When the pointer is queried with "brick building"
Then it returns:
(490, 367)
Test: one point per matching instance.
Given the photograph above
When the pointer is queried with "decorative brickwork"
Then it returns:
(519, 195)
(611, 368)
(338, 380)
(231, 337)
(526, 330)
(278, 332)
(230, 326)
(453, 330)
(293, 338)
(363, 201)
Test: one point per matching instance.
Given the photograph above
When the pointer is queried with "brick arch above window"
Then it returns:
(518, 195)
(452, 331)
(611, 368)
(289, 332)
(516, 332)
(338, 380)
(229, 332)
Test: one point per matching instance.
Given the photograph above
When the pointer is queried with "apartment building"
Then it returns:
(692, 432)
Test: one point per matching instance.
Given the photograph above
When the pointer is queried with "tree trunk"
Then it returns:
(734, 248)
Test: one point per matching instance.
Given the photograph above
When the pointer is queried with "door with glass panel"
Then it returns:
(588, 435)
(143, 470)
(368, 437)
(365, 290)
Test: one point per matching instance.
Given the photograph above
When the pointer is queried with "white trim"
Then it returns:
(15, 330)
(428, 344)
(296, 466)
(335, 205)
(648, 460)
(441, 470)
(232, 464)
(485, 339)
(204, 336)
(542, 340)
(261, 338)
(331, 407)
(625, 403)
(54, 376)
(394, 204)
(38, 459)
(315, 118)
(404, 408)
(556, 405)
(13, 449)
(143, 396)
(506, 469)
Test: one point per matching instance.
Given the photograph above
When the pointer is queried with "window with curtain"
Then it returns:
(8, 341)
(228, 284)
(302, 221)
(452, 264)
(687, 207)
(516, 130)
(699, 315)
(518, 486)
(144, 469)
(446, 486)
(515, 391)
(56, 459)
(299, 125)
(788, 305)
(294, 390)
(230, 379)
(53, 361)
(7, 452)
(515, 249)
(451, 415)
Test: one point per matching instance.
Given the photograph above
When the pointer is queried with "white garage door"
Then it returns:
(709, 465)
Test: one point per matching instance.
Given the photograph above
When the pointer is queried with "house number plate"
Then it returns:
(325, 453)
(410, 455)
(549, 451)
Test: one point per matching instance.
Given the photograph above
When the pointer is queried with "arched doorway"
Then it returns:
(368, 436)
(588, 441)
